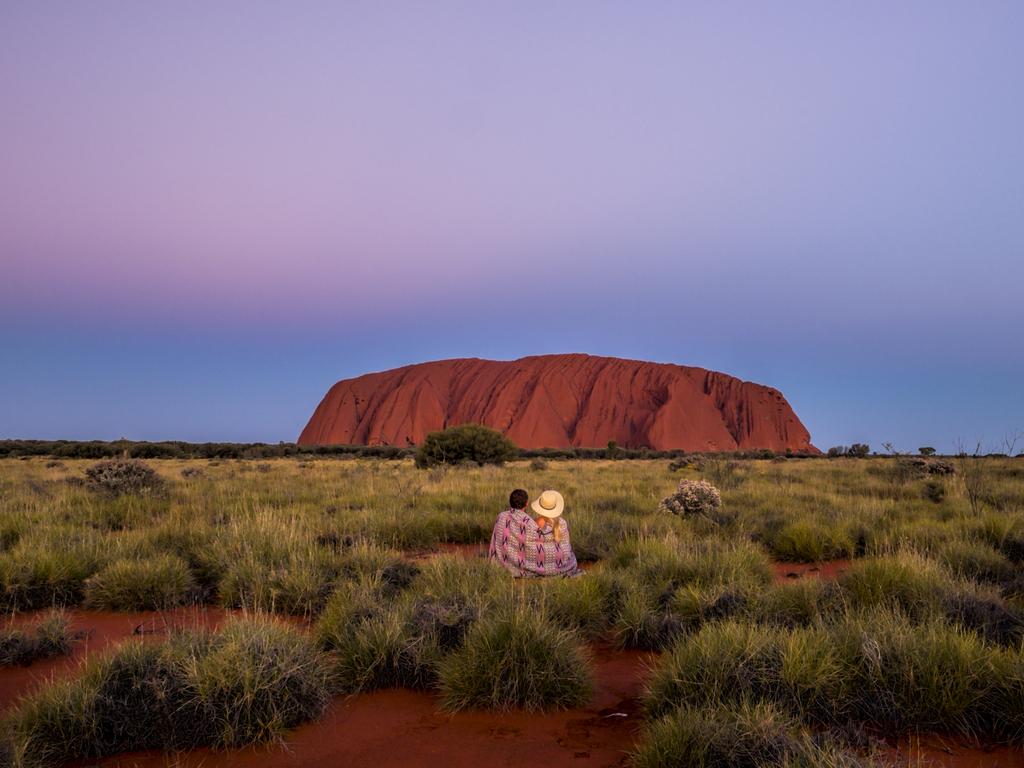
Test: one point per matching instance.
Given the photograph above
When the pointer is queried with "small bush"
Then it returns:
(538, 465)
(516, 660)
(723, 473)
(934, 491)
(163, 581)
(690, 461)
(124, 476)
(472, 443)
(695, 497)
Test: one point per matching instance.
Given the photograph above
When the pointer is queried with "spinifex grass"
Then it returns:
(48, 636)
(516, 658)
(249, 682)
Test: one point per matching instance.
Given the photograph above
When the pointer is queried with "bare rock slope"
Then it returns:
(558, 401)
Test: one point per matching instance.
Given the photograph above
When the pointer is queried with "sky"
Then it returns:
(210, 212)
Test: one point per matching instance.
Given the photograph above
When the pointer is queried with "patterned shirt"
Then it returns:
(526, 550)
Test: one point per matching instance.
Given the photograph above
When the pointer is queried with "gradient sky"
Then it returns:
(209, 212)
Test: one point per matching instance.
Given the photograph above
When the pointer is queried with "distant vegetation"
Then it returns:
(469, 443)
(99, 449)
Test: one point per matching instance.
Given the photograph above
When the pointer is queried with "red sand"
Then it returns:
(559, 401)
(404, 729)
(932, 751)
(99, 630)
(828, 570)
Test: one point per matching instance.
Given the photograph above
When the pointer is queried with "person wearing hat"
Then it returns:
(534, 545)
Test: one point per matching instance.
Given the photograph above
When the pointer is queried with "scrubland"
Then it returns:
(343, 579)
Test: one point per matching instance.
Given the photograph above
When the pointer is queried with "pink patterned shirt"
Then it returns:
(526, 550)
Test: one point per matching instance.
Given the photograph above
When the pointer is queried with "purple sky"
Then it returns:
(209, 212)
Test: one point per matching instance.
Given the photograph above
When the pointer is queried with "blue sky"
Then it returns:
(208, 214)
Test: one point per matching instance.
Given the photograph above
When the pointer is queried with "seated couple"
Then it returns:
(536, 544)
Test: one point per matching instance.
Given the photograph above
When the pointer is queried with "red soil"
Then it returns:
(403, 729)
(932, 751)
(828, 570)
(560, 401)
(99, 630)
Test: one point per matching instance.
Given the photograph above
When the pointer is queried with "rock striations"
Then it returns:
(558, 401)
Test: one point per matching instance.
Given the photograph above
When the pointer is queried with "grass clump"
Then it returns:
(256, 679)
(742, 735)
(806, 540)
(161, 582)
(516, 659)
(44, 574)
(875, 668)
(798, 603)
(908, 580)
(371, 642)
(50, 636)
(246, 684)
(975, 560)
(670, 586)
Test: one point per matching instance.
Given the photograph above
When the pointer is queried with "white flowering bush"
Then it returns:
(693, 497)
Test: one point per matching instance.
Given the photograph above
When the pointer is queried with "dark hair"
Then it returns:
(518, 498)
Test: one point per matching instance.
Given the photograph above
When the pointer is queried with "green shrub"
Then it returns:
(467, 443)
(516, 659)
(162, 581)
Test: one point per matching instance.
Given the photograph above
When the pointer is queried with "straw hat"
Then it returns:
(549, 504)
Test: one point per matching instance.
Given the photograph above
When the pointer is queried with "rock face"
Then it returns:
(560, 401)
